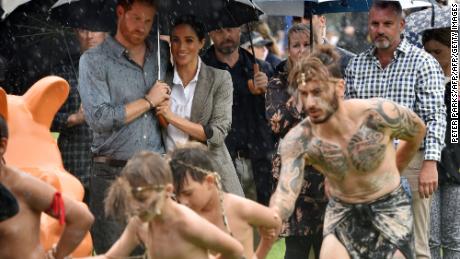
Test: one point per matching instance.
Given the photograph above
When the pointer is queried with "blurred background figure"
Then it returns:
(75, 136)
(266, 32)
(261, 51)
(445, 223)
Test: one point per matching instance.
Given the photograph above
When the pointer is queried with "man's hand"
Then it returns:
(76, 118)
(259, 84)
(428, 179)
(158, 93)
(261, 81)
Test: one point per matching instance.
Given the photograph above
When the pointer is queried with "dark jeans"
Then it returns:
(298, 247)
(105, 231)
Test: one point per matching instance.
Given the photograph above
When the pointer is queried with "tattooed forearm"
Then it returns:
(292, 150)
(288, 189)
(403, 123)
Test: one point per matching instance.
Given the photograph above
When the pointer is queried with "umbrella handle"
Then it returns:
(162, 120)
(252, 88)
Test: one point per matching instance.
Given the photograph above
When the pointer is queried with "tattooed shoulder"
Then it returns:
(296, 141)
(401, 121)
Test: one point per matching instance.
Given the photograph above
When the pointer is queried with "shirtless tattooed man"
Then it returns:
(352, 143)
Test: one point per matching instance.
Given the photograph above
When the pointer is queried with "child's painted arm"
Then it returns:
(127, 241)
(75, 216)
(267, 221)
(125, 244)
(267, 239)
(205, 234)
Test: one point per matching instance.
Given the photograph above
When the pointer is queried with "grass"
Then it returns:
(277, 251)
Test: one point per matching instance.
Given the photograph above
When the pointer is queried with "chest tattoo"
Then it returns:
(365, 149)
(330, 157)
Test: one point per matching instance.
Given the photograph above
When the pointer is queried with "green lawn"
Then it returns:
(277, 251)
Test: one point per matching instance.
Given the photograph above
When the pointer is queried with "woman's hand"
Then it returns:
(164, 109)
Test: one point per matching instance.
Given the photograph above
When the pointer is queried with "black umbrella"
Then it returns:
(32, 44)
(101, 13)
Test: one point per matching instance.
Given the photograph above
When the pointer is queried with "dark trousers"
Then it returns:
(105, 231)
(298, 247)
(262, 169)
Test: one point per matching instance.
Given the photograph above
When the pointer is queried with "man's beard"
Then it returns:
(382, 44)
(227, 50)
(334, 106)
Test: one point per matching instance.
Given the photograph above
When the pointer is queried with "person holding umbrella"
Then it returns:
(399, 71)
(201, 99)
(445, 223)
(119, 90)
(249, 141)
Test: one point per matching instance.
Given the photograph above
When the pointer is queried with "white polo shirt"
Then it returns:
(181, 104)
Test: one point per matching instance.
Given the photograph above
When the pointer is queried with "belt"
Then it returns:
(109, 161)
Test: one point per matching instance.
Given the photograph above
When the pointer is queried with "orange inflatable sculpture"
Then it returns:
(32, 148)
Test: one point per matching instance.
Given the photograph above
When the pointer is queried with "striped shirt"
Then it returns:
(413, 79)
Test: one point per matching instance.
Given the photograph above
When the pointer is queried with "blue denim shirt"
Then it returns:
(109, 80)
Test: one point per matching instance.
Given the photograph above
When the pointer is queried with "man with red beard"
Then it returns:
(350, 142)
(396, 70)
(118, 89)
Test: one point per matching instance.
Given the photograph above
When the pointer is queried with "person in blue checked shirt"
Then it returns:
(396, 70)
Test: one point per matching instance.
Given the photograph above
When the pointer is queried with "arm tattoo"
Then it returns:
(292, 151)
(402, 122)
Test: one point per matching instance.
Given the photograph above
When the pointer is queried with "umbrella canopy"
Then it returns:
(431, 18)
(32, 45)
(214, 14)
(302, 7)
(8, 6)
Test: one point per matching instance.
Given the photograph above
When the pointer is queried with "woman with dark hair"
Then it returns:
(200, 106)
(445, 223)
(303, 231)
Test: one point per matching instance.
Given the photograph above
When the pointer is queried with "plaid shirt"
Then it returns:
(74, 142)
(413, 79)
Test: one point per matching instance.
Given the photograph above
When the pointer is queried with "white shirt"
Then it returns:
(181, 104)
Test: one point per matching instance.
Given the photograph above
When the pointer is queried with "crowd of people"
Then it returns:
(221, 151)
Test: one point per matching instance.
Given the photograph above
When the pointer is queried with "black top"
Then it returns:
(449, 166)
(250, 132)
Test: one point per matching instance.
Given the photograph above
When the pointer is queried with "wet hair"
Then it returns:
(190, 20)
(440, 35)
(127, 4)
(143, 169)
(3, 128)
(189, 160)
(322, 65)
(395, 5)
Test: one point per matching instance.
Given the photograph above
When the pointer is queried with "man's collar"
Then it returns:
(119, 49)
